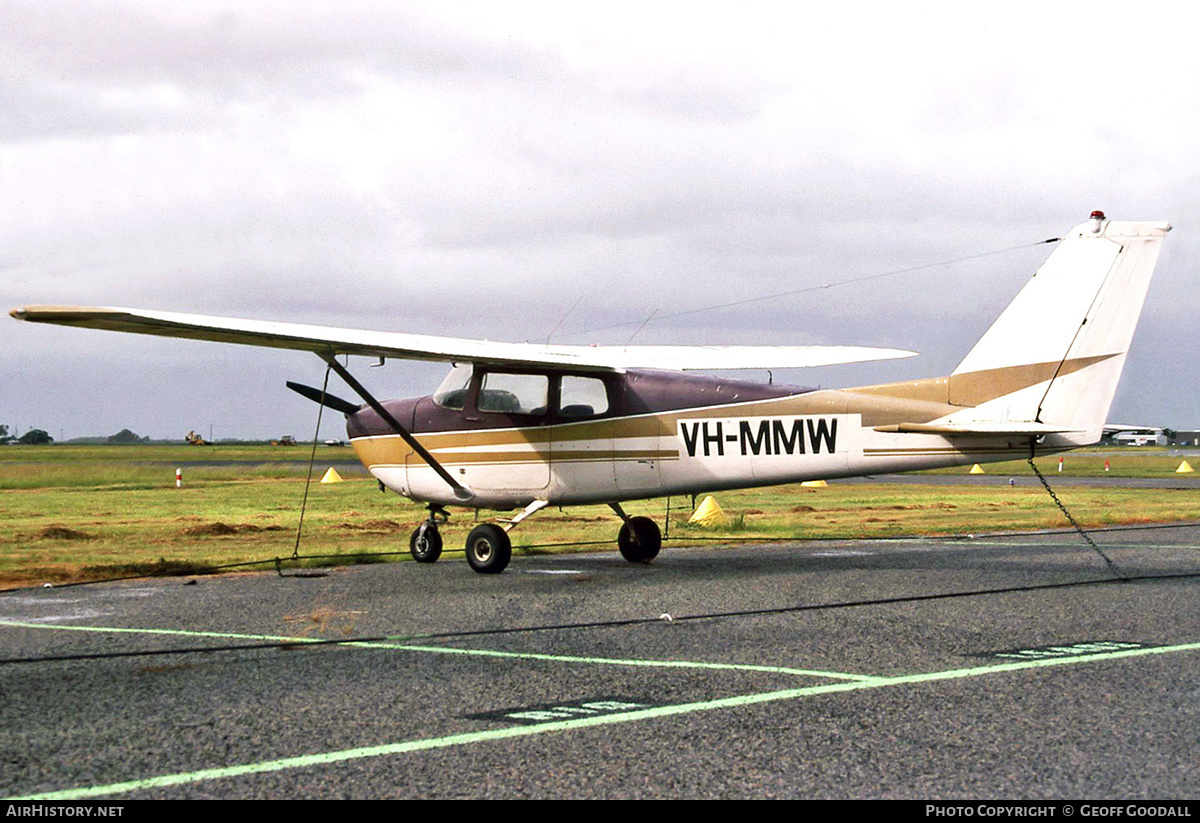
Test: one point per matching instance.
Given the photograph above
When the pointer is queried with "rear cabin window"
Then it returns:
(514, 393)
(582, 397)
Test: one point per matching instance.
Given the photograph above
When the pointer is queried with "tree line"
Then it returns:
(38, 437)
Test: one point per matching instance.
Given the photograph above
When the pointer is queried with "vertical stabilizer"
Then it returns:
(1055, 355)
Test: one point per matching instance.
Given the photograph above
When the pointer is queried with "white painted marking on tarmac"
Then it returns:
(1043, 652)
(81, 614)
(588, 709)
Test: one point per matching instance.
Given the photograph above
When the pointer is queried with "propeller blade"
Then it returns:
(325, 398)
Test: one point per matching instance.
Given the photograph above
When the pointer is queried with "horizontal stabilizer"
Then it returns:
(978, 429)
(326, 340)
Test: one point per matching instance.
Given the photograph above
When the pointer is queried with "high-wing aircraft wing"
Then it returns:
(327, 340)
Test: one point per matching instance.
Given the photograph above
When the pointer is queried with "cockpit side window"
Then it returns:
(514, 393)
(452, 393)
(582, 397)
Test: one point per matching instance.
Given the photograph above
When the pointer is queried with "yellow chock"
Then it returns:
(977, 469)
(331, 476)
(1184, 468)
(814, 484)
(708, 513)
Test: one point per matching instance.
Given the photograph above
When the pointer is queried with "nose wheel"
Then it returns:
(425, 545)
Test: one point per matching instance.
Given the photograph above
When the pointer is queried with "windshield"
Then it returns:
(452, 394)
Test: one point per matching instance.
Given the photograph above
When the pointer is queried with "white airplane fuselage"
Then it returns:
(784, 435)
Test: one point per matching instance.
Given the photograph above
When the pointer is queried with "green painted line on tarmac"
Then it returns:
(378, 644)
(616, 661)
(739, 701)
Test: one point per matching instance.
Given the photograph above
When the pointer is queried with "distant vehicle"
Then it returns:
(536, 425)
(335, 442)
(194, 439)
(286, 440)
(1124, 434)
(1139, 439)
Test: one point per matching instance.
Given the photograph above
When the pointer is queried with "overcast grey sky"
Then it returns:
(478, 169)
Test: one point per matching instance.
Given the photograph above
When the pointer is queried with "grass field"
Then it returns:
(70, 513)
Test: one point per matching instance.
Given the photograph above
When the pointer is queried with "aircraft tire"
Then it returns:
(639, 540)
(427, 547)
(488, 549)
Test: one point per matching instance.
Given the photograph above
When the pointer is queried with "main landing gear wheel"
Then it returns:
(425, 545)
(639, 540)
(488, 549)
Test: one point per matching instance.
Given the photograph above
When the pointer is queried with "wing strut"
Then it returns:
(460, 491)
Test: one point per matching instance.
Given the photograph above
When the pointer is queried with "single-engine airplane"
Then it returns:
(531, 425)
